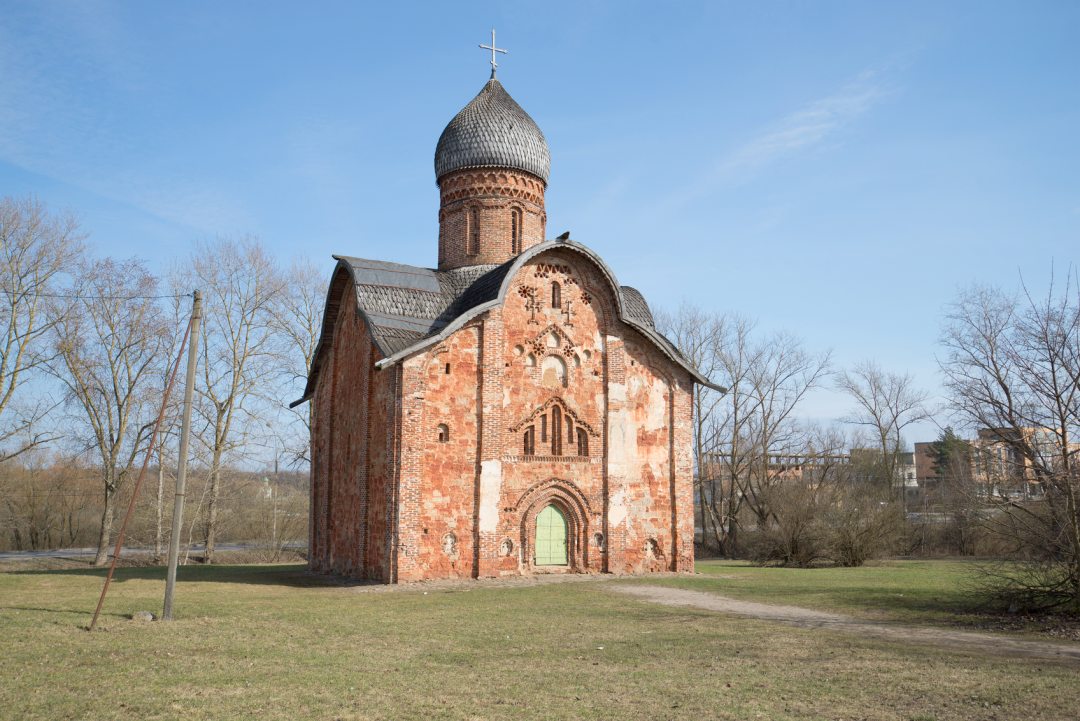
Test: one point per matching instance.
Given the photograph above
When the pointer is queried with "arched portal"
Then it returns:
(555, 521)
(551, 537)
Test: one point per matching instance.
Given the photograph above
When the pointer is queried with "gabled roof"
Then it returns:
(407, 308)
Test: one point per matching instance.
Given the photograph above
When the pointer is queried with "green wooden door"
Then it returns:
(550, 538)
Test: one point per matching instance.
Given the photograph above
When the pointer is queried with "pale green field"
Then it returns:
(259, 642)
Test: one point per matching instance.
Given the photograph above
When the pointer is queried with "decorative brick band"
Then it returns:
(487, 182)
(553, 459)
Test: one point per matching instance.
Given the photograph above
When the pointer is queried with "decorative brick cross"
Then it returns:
(532, 305)
(569, 313)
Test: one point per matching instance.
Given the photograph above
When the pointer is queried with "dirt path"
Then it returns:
(807, 618)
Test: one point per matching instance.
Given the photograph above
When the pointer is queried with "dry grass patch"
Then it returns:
(261, 642)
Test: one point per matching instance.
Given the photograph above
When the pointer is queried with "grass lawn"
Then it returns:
(911, 591)
(260, 642)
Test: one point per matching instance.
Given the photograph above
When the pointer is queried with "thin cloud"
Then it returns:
(810, 126)
(823, 120)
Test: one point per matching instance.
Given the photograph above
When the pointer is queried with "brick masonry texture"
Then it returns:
(420, 470)
(485, 201)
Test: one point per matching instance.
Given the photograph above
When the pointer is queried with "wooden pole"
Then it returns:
(139, 481)
(181, 465)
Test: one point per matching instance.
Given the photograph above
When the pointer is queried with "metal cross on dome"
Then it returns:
(493, 50)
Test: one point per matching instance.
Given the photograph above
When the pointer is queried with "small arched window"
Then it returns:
(444, 433)
(472, 247)
(515, 231)
(530, 441)
(556, 296)
(582, 442)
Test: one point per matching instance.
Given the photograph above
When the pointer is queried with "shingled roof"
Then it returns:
(492, 131)
(408, 308)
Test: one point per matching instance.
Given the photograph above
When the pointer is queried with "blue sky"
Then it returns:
(836, 169)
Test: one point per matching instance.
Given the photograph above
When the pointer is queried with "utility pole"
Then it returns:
(181, 465)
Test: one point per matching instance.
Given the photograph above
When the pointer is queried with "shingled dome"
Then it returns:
(492, 131)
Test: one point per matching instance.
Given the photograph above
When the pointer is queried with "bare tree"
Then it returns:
(778, 381)
(297, 318)
(108, 335)
(35, 249)
(240, 284)
(1012, 369)
(700, 337)
(736, 432)
(886, 403)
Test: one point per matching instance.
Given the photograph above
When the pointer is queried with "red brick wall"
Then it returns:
(437, 528)
(390, 501)
(320, 467)
(382, 449)
(349, 477)
(494, 195)
(508, 372)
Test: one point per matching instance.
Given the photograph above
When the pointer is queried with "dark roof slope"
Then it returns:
(407, 308)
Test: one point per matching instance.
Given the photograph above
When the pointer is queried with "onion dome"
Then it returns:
(492, 131)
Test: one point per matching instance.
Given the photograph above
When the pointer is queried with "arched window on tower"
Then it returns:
(582, 442)
(556, 296)
(472, 245)
(443, 433)
(515, 231)
(530, 441)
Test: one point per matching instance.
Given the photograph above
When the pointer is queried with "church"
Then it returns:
(512, 411)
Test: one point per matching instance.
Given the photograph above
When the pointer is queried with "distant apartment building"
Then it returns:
(811, 467)
(996, 466)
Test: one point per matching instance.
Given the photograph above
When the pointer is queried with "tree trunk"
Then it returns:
(106, 529)
(212, 514)
(160, 499)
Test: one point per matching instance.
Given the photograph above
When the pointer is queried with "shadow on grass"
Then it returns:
(296, 575)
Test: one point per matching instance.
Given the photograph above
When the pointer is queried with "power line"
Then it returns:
(81, 296)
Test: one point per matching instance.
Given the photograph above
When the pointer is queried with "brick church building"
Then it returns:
(513, 411)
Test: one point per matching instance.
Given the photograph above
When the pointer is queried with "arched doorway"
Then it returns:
(551, 537)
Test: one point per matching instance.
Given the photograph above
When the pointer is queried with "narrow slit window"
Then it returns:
(556, 296)
(515, 231)
(570, 430)
(473, 246)
(582, 442)
(556, 431)
(530, 441)
(543, 428)
(447, 370)
(444, 433)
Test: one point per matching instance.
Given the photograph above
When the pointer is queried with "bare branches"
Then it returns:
(1012, 368)
(736, 433)
(885, 403)
(106, 358)
(36, 248)
(297, 319)
(240, 352)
